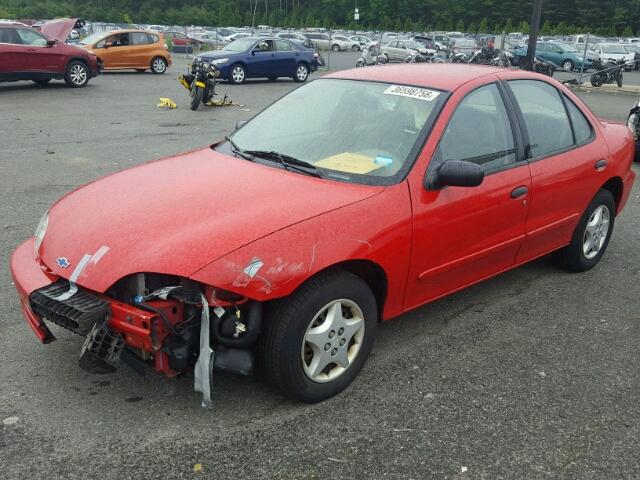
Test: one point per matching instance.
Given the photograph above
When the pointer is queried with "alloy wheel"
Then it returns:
(78, 74)
(332, 341)
(596, 232)
(238, 74)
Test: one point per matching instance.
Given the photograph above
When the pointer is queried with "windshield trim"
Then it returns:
(363, 179)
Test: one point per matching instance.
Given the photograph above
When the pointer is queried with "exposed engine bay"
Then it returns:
(170, 323)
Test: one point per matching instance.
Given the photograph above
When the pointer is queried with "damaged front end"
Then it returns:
(166, 322)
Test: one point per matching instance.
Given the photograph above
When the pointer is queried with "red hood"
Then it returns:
(59, 29)
(177, 215)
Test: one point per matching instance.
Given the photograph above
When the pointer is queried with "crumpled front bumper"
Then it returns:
(29, 276)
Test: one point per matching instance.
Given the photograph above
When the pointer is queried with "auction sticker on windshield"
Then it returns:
(412, 92)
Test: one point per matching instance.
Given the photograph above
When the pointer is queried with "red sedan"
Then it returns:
(351, 200)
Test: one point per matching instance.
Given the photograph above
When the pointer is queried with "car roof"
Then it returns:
(441, 76)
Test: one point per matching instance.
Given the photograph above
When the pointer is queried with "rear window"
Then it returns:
(581, 126)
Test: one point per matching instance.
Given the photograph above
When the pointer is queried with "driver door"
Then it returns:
(262, 61)
(114, 50)
(465, 234)
(40, 58)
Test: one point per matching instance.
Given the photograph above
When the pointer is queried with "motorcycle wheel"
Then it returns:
(619, 79)
(197, 94)
(597, 80)
(359, 64)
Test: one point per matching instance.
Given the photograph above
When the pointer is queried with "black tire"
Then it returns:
(359, 64)
(158, 65)
(335, 48)
(197, 95)
(568, 65)
(42, 81)
(355, 48)
(240, 74)
(302, 73)
(285, 327)
(597, 79)
(572, 256)
(77, 74)
(619, 79)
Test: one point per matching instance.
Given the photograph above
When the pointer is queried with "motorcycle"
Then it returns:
(423, 56)
(201, 82)
(633, 122)
(459, 58)
(608, 72)
(370, 56)
(503, 59)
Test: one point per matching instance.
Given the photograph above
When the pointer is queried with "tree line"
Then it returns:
(604, 17)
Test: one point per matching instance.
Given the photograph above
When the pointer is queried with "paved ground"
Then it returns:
(534, 374)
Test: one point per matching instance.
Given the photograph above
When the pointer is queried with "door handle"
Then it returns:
(600, 164)
(519, 192)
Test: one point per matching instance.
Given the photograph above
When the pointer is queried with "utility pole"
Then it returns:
(533, 34)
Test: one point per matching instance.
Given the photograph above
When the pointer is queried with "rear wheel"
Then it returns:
(42, 81)
(237, 74)
(619, 79)
(335, 48)
(355, 48)
(359, 64)
(316, 340)
(591, 236)
(158, 65)
(77, 74)
(302, 73)
(598, 79)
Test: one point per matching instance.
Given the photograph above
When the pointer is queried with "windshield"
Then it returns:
(357, 131)
(91, 39)
(240, 45)
(614, 49)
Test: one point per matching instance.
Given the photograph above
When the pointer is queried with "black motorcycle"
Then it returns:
(201, 82)
(633, 122)
(607, 72)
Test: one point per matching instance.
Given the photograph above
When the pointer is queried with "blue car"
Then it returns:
(259, 57)
(562, 55)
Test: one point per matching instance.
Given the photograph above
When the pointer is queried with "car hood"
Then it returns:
(177, 215)
(59, 29)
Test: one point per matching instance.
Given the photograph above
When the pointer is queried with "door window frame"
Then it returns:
(516, 131)
(523, 127)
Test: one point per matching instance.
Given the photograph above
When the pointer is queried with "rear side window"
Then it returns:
(544, 116)
(141, 38)
(480, 131)
(581, 126)
(282, 46)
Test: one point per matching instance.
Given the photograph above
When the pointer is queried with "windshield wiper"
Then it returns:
(237, 151)
(288, 162)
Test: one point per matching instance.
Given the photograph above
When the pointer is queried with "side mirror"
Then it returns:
(51, 43)
(456, 173)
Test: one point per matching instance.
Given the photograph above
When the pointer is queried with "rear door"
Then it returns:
(465, 234)
(141, 49)
(567, 166)
(13, 58)
(285, 59)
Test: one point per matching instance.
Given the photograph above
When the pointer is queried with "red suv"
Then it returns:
(29, 54)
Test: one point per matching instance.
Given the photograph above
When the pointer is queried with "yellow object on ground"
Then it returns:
(224, 102)
(166, 103)
(348, 163)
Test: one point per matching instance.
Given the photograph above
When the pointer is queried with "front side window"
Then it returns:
(480, 131)
(544, 116)
(29, 37)
(362, 132)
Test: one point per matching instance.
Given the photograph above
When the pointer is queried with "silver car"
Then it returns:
(398, 50)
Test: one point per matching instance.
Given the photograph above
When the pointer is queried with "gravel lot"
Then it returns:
(534, 374)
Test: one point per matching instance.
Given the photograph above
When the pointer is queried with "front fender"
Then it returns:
(377, 229)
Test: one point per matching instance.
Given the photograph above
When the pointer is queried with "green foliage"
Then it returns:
(605, 17)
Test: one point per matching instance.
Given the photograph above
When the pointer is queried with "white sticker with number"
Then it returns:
(412, 92)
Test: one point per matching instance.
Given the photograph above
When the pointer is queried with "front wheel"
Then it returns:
(335, 48)
(197, 94)
(302, 73)
(567, 66)
(359, 64)
(77, 74)
(316, 341)
(619, 79)
(237, 74)
(355, 48)
(592, 235)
